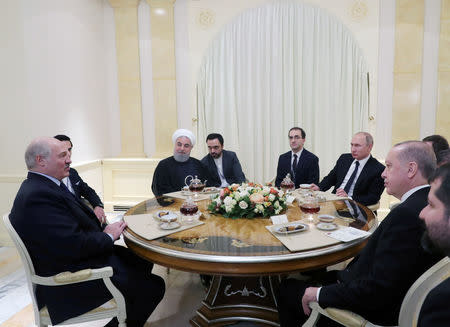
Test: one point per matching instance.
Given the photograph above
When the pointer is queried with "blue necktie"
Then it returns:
(352, 178)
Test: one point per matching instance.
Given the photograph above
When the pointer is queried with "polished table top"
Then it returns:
(241, 246)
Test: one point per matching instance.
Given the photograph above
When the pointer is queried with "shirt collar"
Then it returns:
(297, 153)
(362, 162)
(411, 191)
(53, 179)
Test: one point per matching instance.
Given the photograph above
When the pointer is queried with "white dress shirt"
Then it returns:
(362, 163)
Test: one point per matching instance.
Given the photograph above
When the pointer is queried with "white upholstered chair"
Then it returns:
(113, 308)
(410, 309)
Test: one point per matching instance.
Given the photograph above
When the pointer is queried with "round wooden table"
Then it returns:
(245, 259)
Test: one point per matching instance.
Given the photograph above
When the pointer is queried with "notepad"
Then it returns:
(348, 234)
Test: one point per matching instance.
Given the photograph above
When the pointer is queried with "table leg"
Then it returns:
(233, 299)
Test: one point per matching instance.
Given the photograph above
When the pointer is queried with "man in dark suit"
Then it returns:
(78, 187)
(223, 166)
(62, 234)
(376, 280)
(435, 310)
(302, 165)
(356, 175)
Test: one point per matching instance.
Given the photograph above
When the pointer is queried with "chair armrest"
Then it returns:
(374, 207)
(344, 317)
(68, 277)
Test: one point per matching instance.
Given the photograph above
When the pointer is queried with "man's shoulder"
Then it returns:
(375, 163)
(410, 207)
(309, 154)
(285, 155)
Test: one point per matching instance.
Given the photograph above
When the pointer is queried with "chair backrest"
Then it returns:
(413, 300)
(27, 263)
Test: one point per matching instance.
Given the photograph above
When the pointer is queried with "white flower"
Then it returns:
(218, 201)
(237, 196)
(228, 200)
(255, 210)
(271, 197)
(280, 193)
(260, 208)
(244, 194)
(243, 205)
(277, 211)
(233, 202)
(276, 204)
(228, 208)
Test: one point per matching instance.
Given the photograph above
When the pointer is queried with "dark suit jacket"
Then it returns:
(369, 185)
(307, 171)
(435, 310)
(82, 189)
(232, 169)
(62, 234)
(376, 281)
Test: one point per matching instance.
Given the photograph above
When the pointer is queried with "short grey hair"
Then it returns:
(369, 138)
(38, 147)
(420, 153)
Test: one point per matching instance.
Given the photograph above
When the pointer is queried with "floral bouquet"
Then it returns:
(248, 200)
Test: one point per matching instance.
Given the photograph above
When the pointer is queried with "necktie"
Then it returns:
(294, 165)
(352, 178)
(65, 189)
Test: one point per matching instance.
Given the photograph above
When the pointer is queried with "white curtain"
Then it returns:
(282, 65)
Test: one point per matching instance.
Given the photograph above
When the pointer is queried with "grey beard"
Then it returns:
(181, 157)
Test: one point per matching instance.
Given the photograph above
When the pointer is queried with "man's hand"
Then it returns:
(314, 187)
(341, 192)
(309, 296)
(115, 229)
(100, 213)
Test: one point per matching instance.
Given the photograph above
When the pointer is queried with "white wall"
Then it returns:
(58, 76)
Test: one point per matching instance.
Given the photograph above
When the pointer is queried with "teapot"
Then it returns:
(196, 185)
(287, 184)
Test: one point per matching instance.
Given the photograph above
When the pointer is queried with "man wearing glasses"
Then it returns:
(302, 165)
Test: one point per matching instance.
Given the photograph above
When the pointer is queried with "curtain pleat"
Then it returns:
(274, 67)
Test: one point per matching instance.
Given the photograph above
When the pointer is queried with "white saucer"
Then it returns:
(326, 226)
(168, 226)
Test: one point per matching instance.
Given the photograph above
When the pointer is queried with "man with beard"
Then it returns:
(377, 279)
(170, 174)
(223, 166)
(435, 310)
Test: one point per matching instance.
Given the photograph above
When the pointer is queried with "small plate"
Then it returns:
(165, 215)
(326, 226)
(171, 225)
(209, 190)
(326, 218)
(291, 228)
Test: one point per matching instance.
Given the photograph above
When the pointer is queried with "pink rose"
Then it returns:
(256, 198)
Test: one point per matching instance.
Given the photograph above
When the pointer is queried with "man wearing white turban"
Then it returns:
(171, 172)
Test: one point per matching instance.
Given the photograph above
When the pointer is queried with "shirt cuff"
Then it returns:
(112, 237)
(318, 293)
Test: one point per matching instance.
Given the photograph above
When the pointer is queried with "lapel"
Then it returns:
(364, 172)
(224, 162)
(72, 201)
(345, 168)
(213, 168)
(73, 181)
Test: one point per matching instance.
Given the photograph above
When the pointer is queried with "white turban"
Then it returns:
(183, 132)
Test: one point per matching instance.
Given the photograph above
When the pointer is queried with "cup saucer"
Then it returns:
(168, 226)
